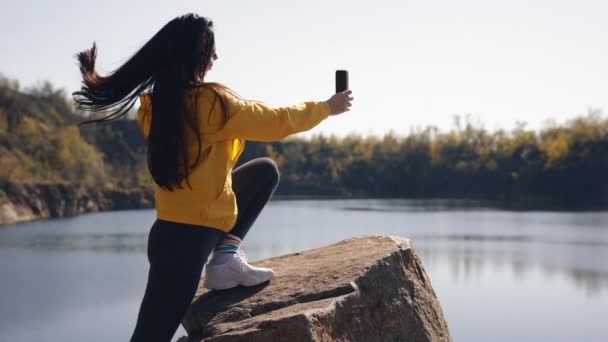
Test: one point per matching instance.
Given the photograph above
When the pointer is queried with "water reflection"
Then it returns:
(417, 205)
(510, 238)
(484, 262)
(448, 204)
(94, 242)
(466, 264)
(467, 255)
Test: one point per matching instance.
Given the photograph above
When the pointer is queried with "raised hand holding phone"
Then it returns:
(341, 101)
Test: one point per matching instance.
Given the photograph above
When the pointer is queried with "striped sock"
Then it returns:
(230, 244)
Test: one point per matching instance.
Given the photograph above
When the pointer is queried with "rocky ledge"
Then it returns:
(31, 201)
(369, 288)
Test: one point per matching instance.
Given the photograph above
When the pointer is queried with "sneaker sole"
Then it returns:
(224, 286)
(254, 283)
(229, 285)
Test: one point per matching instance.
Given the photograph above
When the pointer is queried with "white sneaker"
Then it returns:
(235, 272)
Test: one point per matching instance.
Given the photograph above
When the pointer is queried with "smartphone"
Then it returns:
(341, 80)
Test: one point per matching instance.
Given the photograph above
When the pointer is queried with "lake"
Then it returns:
(500, 275)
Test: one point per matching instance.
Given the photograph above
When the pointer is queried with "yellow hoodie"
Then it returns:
(211, 201)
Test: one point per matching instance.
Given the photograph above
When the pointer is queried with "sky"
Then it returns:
(411, 63)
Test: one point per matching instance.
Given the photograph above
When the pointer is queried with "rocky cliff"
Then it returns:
(31, 201)
(369, 288)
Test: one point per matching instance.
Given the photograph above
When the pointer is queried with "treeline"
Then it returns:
(39, 141)
(562, 163)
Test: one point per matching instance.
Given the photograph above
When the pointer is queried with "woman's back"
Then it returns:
(210, 199)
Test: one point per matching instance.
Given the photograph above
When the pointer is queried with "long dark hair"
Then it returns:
(172, 61)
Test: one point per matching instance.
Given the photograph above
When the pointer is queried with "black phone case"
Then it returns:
(341, 80)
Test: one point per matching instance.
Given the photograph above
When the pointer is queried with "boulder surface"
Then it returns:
(367, 288)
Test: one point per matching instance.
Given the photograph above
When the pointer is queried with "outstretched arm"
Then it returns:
(251, 120)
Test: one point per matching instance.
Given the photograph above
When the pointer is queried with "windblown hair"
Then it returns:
(170, 63)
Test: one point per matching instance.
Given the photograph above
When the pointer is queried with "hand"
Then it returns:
(340, 102)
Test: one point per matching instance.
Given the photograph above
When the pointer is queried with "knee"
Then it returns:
(270, 170)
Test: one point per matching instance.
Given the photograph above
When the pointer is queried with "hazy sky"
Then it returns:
(411, 63)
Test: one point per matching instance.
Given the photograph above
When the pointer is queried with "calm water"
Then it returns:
(499, 275)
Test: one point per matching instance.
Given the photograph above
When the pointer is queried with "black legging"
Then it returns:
(177, 253)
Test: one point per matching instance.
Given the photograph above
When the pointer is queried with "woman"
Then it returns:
(195, 132)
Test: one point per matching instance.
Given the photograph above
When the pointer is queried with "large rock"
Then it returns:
(369, 288)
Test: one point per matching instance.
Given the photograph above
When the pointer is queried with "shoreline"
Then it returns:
(526, 204)
(23, 202)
